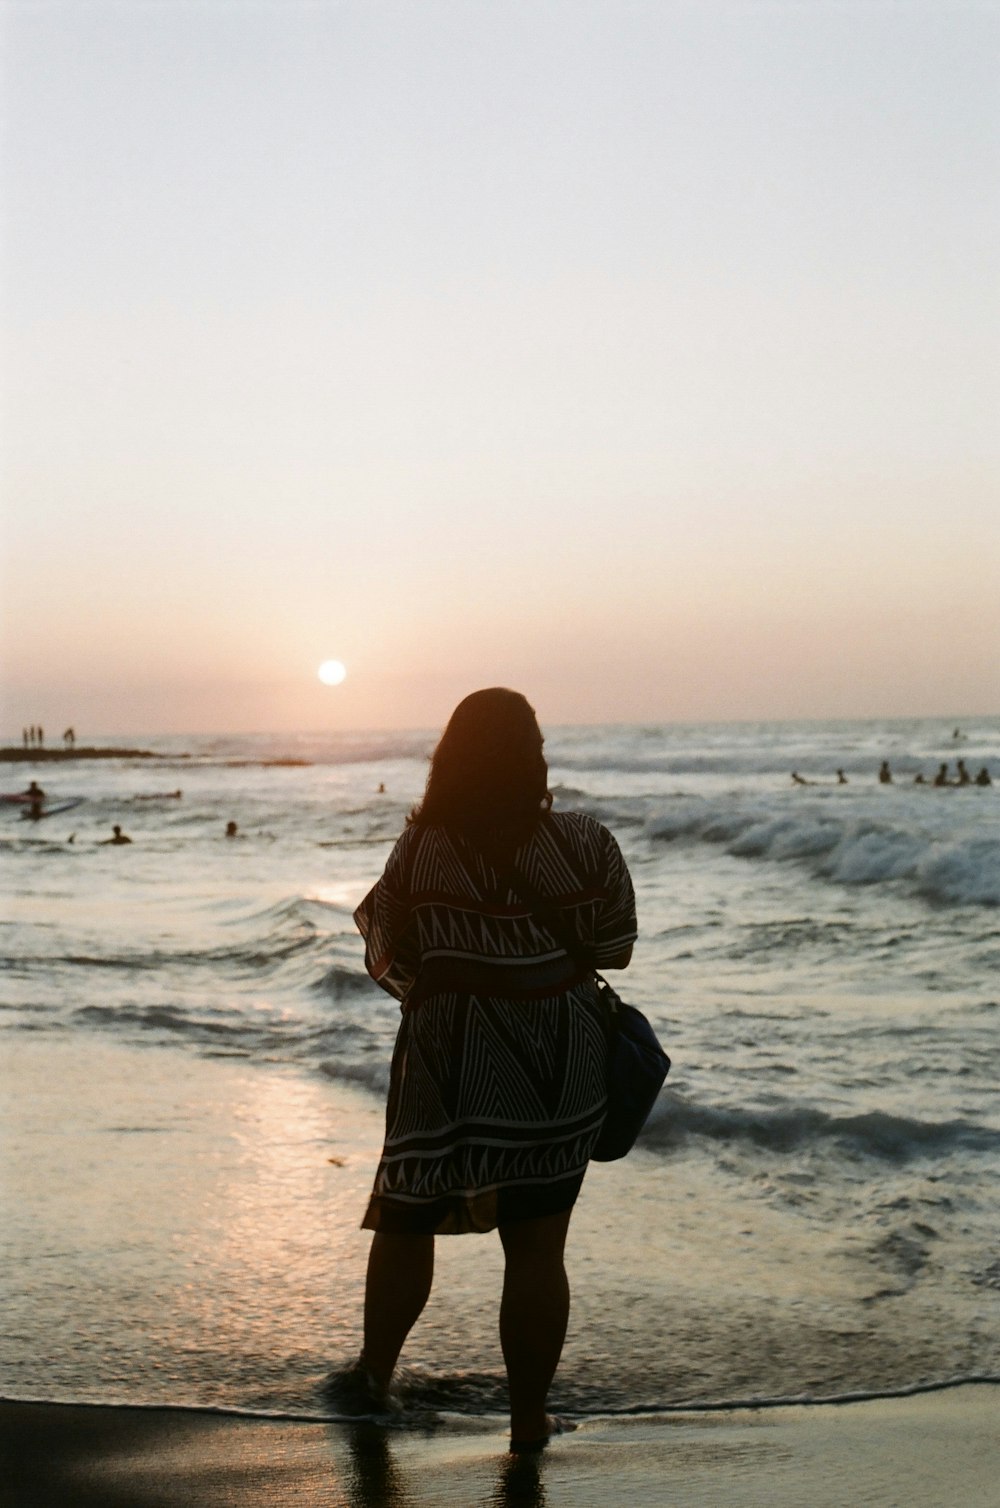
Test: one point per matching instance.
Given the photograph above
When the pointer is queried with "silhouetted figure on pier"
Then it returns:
(41, 736)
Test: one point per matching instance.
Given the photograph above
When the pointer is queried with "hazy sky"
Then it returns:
(643, 356)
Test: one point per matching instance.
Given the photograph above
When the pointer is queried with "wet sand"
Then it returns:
(925, 1452)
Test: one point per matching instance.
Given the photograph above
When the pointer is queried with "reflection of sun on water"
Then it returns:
(288, 1255)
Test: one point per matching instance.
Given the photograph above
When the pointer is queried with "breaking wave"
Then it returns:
(876, 1134)
(961, 869)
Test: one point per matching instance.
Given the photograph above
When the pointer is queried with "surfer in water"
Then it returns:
(884, 773)
(941, 778)
(983, 778)
(117, 839)
(36, 799)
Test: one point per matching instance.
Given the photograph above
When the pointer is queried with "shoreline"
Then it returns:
(925, 1451)
(643, 1413)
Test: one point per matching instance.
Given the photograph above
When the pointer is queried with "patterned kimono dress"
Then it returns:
(498, 1082)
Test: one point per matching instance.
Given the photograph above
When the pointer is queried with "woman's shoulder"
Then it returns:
(583, 831)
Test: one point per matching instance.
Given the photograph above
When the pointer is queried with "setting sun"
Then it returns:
(332, 672)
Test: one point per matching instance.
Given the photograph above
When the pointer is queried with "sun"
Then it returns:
(332, 672)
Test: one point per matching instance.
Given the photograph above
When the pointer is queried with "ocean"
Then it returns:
(194, 1065)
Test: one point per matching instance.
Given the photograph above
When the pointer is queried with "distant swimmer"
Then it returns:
(941, 778)
(964, 778)
(958, 733)
(118, 839)
(232, 831)
(983, 778)
(841, 778)
(884, 773)
(36, 799)
(381, 788)
(798, 779)
(918, 778)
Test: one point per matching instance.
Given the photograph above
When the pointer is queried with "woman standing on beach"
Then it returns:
(498, 1082)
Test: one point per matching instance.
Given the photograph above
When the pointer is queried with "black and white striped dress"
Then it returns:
(497, 1088)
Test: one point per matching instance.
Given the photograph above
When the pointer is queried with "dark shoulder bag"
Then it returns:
(637, 1064)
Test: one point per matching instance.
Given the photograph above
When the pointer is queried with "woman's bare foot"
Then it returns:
(358, 1392)
(554, 1425)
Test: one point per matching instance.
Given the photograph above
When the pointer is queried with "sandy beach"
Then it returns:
(928, 1451)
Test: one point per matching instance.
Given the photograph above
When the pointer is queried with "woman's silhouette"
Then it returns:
(498, 1082)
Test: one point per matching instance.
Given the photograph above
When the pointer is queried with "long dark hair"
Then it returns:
(488, 777)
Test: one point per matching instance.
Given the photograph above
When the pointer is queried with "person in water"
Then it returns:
(841, 778)
(232, 831)
(36, 800)
(884, 773)
(964, 778)
(983, 778)
(941, 778)
(498, 1082)
(798, 779)
(117, 838)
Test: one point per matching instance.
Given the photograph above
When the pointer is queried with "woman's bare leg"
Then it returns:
(400, 1273)
(533, 1317)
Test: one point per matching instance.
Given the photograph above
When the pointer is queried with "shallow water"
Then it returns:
(189, 1036)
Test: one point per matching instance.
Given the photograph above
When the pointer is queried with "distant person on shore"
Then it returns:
(69, 738)
(983, 778)
(841, 778)
(41, 736)
(964, 778)
(24, 737)
(941, 778)
(884, 773)
(117, 839)
(232, 831)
